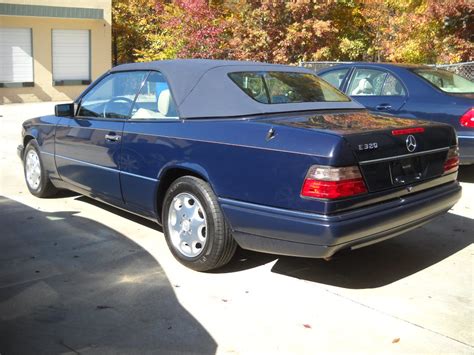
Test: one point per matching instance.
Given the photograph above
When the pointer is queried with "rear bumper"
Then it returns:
(286, 232)
(466, 148)
(20, 150)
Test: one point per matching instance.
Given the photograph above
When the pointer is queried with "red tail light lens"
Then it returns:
(452, 161)
(331, 183)
(467, 120)
(398, 132)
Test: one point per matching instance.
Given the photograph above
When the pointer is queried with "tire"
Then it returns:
(194, 225)
(36, 176)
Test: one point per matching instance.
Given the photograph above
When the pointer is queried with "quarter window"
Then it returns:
(392, 87)
(335, 77)
(155, 100)
(286, 87)
(113, 96)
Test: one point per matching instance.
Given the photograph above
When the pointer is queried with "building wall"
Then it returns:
(101, 52)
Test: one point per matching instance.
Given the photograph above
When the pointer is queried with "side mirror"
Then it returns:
(64, 110)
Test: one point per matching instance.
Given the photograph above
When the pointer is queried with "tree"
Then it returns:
(281, 31)
(455, 29)
(413, 31)
(420, 31)
(132, 23)
(187, 29)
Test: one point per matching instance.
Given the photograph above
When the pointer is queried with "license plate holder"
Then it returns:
(405, 171)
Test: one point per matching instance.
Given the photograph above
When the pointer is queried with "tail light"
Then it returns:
(398, 132)
(331, 183)
(467, 120)
(452, 161)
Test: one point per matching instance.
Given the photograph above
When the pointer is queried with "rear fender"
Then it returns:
(172, 171)
(191, 167)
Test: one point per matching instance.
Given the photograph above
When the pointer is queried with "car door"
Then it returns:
(87, 149)
(147, 144)
(377, 89)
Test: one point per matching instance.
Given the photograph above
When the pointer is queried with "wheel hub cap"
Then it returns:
(187, 225)
(33, 169)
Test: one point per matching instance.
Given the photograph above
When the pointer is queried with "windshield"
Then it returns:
(286, 87)
(446, 81)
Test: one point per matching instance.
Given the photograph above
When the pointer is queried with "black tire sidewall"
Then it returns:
(210, 206)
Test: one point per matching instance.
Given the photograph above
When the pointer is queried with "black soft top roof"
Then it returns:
(202, 88)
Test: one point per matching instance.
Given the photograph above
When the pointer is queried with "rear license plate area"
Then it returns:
(405, 171)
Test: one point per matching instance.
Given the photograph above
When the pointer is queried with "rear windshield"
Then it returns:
(446, 81)
(286, 87)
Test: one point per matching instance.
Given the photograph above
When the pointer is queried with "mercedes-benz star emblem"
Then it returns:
(411, 143)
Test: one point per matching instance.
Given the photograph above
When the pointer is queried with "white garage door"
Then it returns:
(15, 55)
(71, 55)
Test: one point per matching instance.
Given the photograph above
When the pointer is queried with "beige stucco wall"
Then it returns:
(101, 52)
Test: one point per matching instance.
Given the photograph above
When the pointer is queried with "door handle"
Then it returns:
(383, 107)
(112, 137)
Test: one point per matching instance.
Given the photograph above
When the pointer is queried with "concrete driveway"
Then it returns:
(77, 276)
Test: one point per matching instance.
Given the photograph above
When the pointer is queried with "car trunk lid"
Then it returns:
(390, 151)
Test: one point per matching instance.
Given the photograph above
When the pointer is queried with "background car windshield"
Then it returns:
(286, 87)
(446, 81)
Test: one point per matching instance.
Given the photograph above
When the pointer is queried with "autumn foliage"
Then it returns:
(416, 31)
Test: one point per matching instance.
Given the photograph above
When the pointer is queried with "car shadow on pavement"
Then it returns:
(244, 260)
(369, 267)
(386, 262)
(71, 284)
(466, 173)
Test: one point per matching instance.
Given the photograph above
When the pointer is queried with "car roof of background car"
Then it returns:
(202, 88)
(376, 65)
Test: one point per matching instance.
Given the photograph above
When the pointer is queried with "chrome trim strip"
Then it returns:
(104, 168)
(467, 137)
(86, 163)
(403, 156)
(139, 176)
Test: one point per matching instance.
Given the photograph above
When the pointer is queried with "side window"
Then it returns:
(155, 100)
(282, 87)
(367, 82)
(392, 87)
(335, 77)
(253, 85)
(113, 96)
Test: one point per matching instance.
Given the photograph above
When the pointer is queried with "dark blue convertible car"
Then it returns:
(411, 91)
(222, 153)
